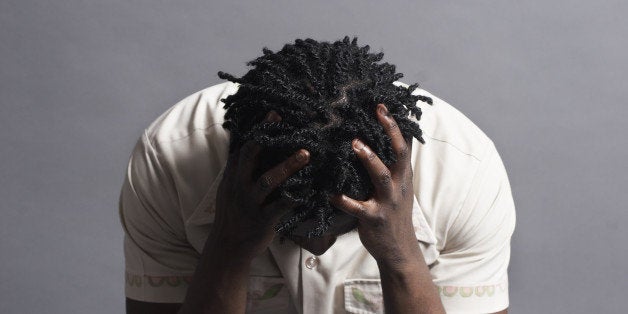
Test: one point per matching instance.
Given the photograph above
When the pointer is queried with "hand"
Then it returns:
(243, 226)
(385, 220)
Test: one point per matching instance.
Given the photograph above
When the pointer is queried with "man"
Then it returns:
(251, 207)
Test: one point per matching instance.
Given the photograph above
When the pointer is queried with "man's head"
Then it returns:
(326, 94)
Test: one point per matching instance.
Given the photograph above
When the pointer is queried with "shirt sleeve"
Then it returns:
(159, 262)
(471, 271)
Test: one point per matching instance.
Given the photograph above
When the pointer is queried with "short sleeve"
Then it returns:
(472, 270)
(159, 262)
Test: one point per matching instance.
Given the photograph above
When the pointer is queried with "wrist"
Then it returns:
(220, 281)
(398, 266)
(404, 251)
(401, 259)
(222, 251)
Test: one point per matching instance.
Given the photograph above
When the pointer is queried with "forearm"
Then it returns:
(220, 281)
(408, 288)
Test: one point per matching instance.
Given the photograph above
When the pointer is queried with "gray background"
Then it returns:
(79, 80)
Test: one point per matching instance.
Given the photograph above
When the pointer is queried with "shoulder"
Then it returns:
(463, 191)
(187, 137)
(443, 123)
(198, 111)
(447, 167)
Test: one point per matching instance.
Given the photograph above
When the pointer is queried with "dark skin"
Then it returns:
(243, 229)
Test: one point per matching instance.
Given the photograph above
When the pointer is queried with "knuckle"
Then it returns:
(393, 127)
(409, 174)
(370, 155)
(393, 131)
(404, 152)
(404, 189)
(385, 177)
(360, 210)
(265, 182)
(284, 171)
(378, 220)
(395, 205)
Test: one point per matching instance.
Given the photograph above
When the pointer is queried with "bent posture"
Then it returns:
(314, 190)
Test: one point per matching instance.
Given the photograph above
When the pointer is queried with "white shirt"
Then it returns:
(463, 214)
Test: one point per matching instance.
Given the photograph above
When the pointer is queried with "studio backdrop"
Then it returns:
(80, 80)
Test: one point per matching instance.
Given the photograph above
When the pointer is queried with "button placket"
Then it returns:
(312, 283)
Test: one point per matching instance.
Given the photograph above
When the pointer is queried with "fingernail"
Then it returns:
(383, 110)
(357, 144)
(302, 155)
(272, 117)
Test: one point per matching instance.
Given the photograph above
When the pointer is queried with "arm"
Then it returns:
(220, 281)
(408, 288)
(386, 230)
(472, 268)
(219, 286)
(243, 229)
(140, 307)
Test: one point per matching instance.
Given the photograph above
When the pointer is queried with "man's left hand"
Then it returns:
(385, 220)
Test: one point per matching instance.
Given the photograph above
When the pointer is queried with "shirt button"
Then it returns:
(311, 262)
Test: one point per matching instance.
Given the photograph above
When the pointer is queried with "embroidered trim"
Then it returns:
(366, 299)
(267, 294)
(468, 291)
(270, 293)
(133, 280)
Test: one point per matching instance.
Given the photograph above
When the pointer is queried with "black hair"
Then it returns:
(326, 94)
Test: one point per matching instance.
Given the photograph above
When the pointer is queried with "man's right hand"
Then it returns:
(243, 229)
(244, 223)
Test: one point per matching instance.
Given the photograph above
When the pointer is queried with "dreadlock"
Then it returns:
(326, 94)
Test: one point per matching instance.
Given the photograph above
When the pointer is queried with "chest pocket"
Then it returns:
(267, 295)
(363, 296)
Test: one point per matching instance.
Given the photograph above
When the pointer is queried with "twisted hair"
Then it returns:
(326, 94)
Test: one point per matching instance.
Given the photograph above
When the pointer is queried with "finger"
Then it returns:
(232, 160)
(350, 206)
(247, 159)
(277, 209)
(272, 116)
(399, 145)
(381, 177)
(248, 153)
(272, 178)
